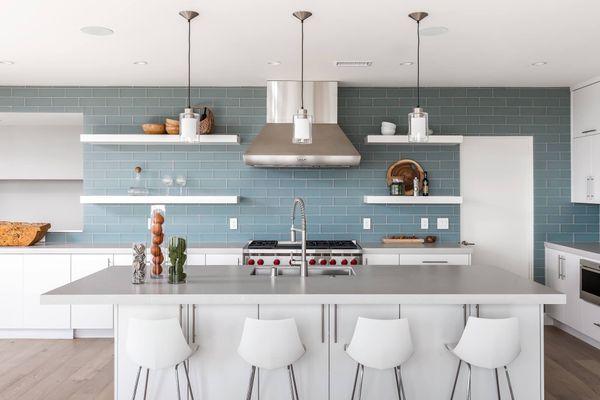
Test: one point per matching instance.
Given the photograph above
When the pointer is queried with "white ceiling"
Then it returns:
(488, 43)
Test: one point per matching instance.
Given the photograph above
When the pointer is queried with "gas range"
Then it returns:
(318, 252)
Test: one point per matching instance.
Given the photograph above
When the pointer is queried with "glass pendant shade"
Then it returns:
(189, 122)
(302, 127)
(418, 126)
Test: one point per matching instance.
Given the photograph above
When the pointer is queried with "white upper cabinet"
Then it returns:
(585, 110)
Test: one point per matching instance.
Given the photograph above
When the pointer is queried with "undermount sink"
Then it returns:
(295, 271)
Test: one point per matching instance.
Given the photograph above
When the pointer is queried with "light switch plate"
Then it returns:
(442, 223)
(366, 223)
(233, 223)
(424, 223)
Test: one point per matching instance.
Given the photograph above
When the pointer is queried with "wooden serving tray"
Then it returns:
(402, 241)
(21, 233)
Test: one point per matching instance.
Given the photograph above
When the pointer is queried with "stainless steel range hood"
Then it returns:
(273, 147)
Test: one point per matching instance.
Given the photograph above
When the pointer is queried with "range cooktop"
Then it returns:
(310, 244)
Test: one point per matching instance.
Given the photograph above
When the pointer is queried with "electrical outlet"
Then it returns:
(366, 223)
(159, 207)
(442, 223)
(424, 223)
(233, 223)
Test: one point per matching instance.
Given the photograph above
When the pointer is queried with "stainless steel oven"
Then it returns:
(590, 281)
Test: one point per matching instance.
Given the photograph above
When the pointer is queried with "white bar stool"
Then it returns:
(490, 344)
(380, 344)
(158, 344)
(271, 344)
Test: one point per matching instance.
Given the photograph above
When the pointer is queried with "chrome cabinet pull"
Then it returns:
(193, 323)
(335, 323)
(108, 261)
(434, 262)
(322, 323)
(559, 266)
(589, 131)
(591, 187)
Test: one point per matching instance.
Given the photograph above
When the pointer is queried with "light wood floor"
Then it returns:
(82, 369)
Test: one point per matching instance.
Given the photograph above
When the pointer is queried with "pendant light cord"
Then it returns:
(418, 65)
(189, 62)
(302, 65)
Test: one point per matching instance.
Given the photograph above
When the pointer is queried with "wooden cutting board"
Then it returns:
(21, 233)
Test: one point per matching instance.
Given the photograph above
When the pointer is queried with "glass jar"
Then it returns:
(157, 239)
(139, 263)
(177, 259)
(397, 187)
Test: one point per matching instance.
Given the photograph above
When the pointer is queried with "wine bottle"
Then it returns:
(425, 188)
(203, 116)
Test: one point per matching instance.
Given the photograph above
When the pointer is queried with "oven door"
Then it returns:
(590, 281)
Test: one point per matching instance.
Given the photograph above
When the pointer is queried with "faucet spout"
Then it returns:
(298, 202)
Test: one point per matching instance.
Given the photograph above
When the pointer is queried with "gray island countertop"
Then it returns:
(370, 285)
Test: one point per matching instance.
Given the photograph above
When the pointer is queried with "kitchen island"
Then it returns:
(214, 302)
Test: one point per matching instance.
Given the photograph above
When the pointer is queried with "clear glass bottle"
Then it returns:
(397, 187)
(418, 126)
(302, 127)
(139, 263)
(157, 238)
(138, 188)
(177, 252)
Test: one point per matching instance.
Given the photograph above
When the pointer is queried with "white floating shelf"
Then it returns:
(159, 199)
(403, 139)
(157, 139)
(412, 200)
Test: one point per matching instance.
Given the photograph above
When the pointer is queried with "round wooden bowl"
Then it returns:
(153, 129)
(405, 170)
(172, 129)
(173, 122)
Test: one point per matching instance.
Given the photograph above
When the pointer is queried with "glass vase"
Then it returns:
(139, 263)
(157, 238)
(177, 252)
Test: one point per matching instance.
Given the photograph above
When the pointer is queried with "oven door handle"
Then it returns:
(595, 271)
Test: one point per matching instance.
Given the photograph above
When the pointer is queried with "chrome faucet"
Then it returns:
(303, 266)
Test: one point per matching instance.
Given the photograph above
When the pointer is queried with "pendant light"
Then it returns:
(189, 121)
(418, 121)
(302, 120)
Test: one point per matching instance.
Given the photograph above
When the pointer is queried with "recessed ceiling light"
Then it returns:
(538, 63)
(7, 62)
(433, 31)
(140, 62)
(274, 63)
(353, 63)
(406, 64)
(97, 30)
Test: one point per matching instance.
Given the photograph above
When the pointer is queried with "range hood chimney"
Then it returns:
(273, 146)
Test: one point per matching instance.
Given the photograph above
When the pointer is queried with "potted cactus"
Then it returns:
(178, 257)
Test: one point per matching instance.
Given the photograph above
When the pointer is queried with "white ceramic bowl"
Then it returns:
(388, 132)
(388, 125)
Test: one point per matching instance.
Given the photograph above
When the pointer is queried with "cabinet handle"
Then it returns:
(559, 266)
(591, 187)
(322, 323)
(335, 323)
(587, 187)
(108, 261)
(597, 324)
(588, 131)
(193, 323)
(434, 262)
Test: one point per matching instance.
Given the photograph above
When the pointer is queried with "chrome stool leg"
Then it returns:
(177, 381)
(137, 380)
(362, 376)
(512, 395)
(294, 380)
(469, 382)
(355, 381)
(497, 383)
(399, 375)
(397, 383)
(251, 383)
(146, 384)
(187, 375)
(291, 383)
(456, 379)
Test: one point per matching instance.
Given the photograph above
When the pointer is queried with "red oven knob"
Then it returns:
(260, 261)
(344, 262)
(323, 261)
(354, 261)
(276, 262)
(250, 262)
(312, 261)
(332, 262)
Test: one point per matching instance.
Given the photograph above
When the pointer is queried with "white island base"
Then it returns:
(325, 371)
(214, 303)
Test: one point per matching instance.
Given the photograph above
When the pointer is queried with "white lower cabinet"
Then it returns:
(11, 291)
(312, 370)
(217, 371)
(381, 259)
(42, 273)
(92, 316)
(223, 259)
(435, 259)
(378, 385)
(590, 319)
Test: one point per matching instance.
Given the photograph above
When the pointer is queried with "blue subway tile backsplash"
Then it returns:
(333, 197)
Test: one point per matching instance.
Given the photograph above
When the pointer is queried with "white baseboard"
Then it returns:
(577, 334)
(93, 333)
(36, 333)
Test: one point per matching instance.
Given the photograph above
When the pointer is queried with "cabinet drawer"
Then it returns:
(434, 259)
(381, 259)
(589, 322)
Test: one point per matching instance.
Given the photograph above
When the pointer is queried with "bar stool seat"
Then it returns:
(156, 344)
(490, 344)
(380, 344)
(271, 344)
